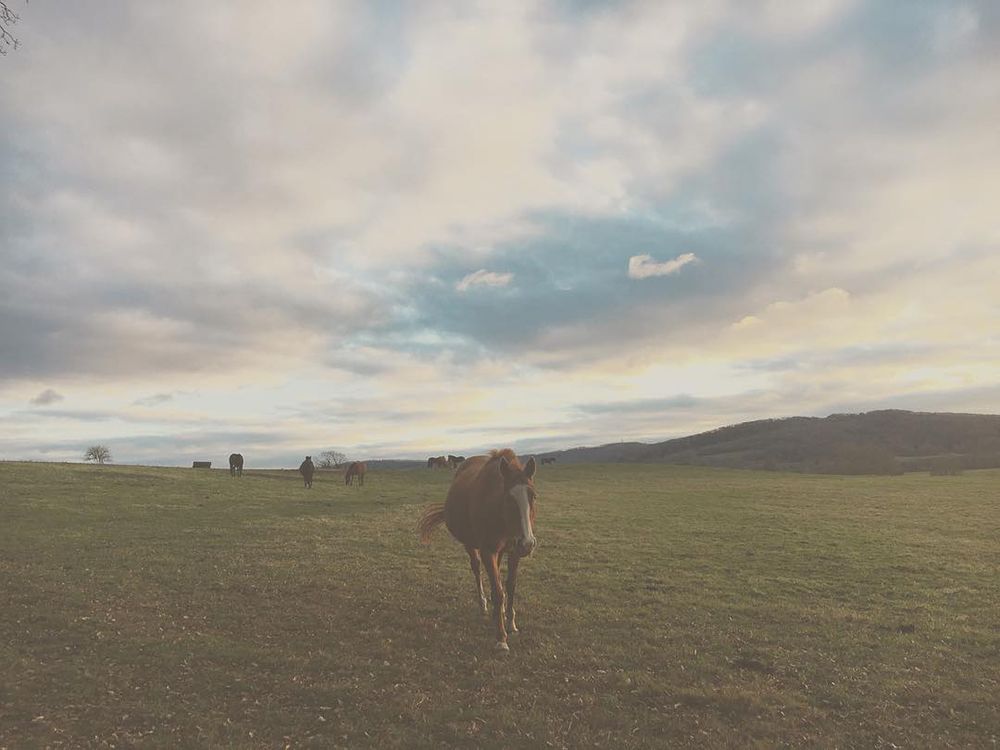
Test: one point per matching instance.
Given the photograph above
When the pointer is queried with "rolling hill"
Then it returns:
(876, 442)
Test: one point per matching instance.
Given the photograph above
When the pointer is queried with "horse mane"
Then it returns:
(496, 455)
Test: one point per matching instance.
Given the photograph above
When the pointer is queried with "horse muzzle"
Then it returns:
(526, 546)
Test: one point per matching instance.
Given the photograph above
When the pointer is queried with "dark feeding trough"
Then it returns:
(201, 465)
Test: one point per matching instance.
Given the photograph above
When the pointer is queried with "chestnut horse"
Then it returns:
(235, 464)
(490, 509)
(356, 469)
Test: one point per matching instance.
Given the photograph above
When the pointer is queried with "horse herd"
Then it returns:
(445, 462)
(453, 462)
(355, 470)
(490, 509)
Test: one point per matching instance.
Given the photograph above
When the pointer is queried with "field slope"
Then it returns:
(666, 605)
(888, 441)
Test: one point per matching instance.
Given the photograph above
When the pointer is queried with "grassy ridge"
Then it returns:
(166, 607)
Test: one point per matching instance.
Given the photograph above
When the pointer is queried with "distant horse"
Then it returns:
(548, 460)
(235, 464)
(356, 469)
(437, 462)
(307, 469)
(490, 508)
(455, 461)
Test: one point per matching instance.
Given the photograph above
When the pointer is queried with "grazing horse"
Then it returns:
(437, 462)
(307, 469)
(455, 461)
(548, 460)
(490, 508)
(356, 469)
(235, 464)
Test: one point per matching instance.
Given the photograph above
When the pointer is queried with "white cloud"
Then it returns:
(482, 277)
(956, 26)
(643, 266)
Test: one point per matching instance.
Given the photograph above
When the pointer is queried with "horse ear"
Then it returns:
(504, 467)
(529, 468)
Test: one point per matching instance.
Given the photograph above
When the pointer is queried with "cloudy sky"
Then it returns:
(398, 229)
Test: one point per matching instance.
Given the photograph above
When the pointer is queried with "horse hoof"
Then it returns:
(502, 646)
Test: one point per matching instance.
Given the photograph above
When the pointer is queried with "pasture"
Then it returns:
(152, 607)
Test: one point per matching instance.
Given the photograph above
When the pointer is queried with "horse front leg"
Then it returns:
(492, 562)
(513, 560)
(477, 575)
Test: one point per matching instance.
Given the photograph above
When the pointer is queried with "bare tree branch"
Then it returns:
(331, 459)
(8, 19)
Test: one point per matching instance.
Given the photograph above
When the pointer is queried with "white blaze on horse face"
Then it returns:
(520, 494)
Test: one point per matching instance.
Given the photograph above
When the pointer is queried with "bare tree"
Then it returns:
(331, 459)
(8, 18)
(99, 453)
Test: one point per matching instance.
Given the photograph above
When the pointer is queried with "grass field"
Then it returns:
(146, 607)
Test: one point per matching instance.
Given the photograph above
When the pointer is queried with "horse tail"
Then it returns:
(430, 519)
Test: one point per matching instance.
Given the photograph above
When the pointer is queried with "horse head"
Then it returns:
(518, 505)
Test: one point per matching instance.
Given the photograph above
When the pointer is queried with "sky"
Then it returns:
(409, 229)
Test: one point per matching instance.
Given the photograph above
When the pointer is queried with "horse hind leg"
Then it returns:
(474, 563)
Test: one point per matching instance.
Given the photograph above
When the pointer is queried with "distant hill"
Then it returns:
(876, 442)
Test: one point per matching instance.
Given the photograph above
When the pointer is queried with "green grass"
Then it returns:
(145, 607)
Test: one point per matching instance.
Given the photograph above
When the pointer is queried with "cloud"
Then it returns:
(483, 277)
(154, 400)
(643, 266)
(643, 406)
(258, 238)
(46, 397)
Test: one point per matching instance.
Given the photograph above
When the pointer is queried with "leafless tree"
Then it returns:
(8, 18)
(331, 459)
(99, 453)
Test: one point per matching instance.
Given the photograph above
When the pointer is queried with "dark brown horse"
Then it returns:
(307, 469)
(548, 460)
(356, 469)
(455, 461)
(235, 464)
(490, 509)
(437, 462)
